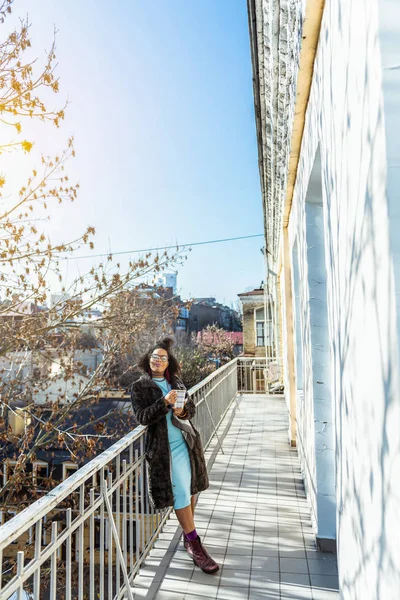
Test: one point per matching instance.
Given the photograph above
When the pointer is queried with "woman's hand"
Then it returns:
(179, 412)
(170, 398)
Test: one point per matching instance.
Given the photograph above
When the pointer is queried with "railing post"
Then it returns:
(81, 541)
(117, 543)
(213, 424)
(20, 570)
(68, 558)
(38, 547)
(53, 567)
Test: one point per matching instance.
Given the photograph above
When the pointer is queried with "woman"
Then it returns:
(174, 454)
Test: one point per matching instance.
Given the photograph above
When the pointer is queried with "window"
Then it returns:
(260, 338)
(8, 470)
(68, 469)
(263, 336)
(181, 324)
(260, 326)
(40, 473)
(36, 374)
(6, 516)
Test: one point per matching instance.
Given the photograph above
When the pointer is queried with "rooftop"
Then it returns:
(256, 292)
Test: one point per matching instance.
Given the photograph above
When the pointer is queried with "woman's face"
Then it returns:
(158, 361)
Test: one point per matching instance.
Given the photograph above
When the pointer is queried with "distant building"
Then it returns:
(207, 311)
(12, 312)
(58, 299)
(181, 325)
(258, 338)
(167, 280)
(87, 321)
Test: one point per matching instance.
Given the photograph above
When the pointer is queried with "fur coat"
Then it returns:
(150, 410)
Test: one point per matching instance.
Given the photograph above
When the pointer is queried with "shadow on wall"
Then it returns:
(365, 340)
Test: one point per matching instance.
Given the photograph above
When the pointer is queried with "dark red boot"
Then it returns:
(200, 556)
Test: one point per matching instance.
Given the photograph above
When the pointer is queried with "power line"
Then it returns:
(243, 237)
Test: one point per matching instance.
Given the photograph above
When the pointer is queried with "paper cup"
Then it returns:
(180, 399)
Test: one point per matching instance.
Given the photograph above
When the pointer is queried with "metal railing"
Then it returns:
(258, 375)
(88, 537)
(213, 397)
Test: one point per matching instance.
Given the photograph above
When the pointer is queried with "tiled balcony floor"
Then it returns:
(254, 520)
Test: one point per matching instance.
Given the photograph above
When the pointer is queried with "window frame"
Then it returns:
(41, 464)
(68, 465)
(263, 321)
(262, 336)
(8, 462)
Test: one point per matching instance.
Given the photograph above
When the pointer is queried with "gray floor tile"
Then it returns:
(178, 573)
(260, 575)
(318, 555)
(239, 548)
(181, 564)
(329, 582)
(267, 549)
(302, 579)
(292, 553)
(199, 591)
(243, 533)
(266, 563)
(295, 592)
(320, 594)
(293, 565)
(142, 582)
(218, 527)
(153, 573)
(235, 577)
(232, 593)
(199, 577)
(322, 567)
(269, 592)
(236, 561)
(169, 596)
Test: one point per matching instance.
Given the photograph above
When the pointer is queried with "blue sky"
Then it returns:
(161, 106)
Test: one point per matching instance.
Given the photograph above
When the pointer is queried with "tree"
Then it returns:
(41, 353)
(136, 319)
(204, 353)
(59, 354)
(194, 362)
(217, 344)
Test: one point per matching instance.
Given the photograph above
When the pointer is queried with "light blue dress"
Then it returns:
(181, 473)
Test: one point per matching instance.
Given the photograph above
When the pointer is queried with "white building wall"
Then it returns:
(389, 39)
(346, 117)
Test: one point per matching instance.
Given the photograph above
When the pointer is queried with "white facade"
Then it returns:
(168, 280)
(340, 281)
(58, 299)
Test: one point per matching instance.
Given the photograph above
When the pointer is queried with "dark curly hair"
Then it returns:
(173, 365)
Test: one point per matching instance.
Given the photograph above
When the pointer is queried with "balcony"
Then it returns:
(96, 535)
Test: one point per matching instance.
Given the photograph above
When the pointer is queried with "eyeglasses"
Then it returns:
(158, 357)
